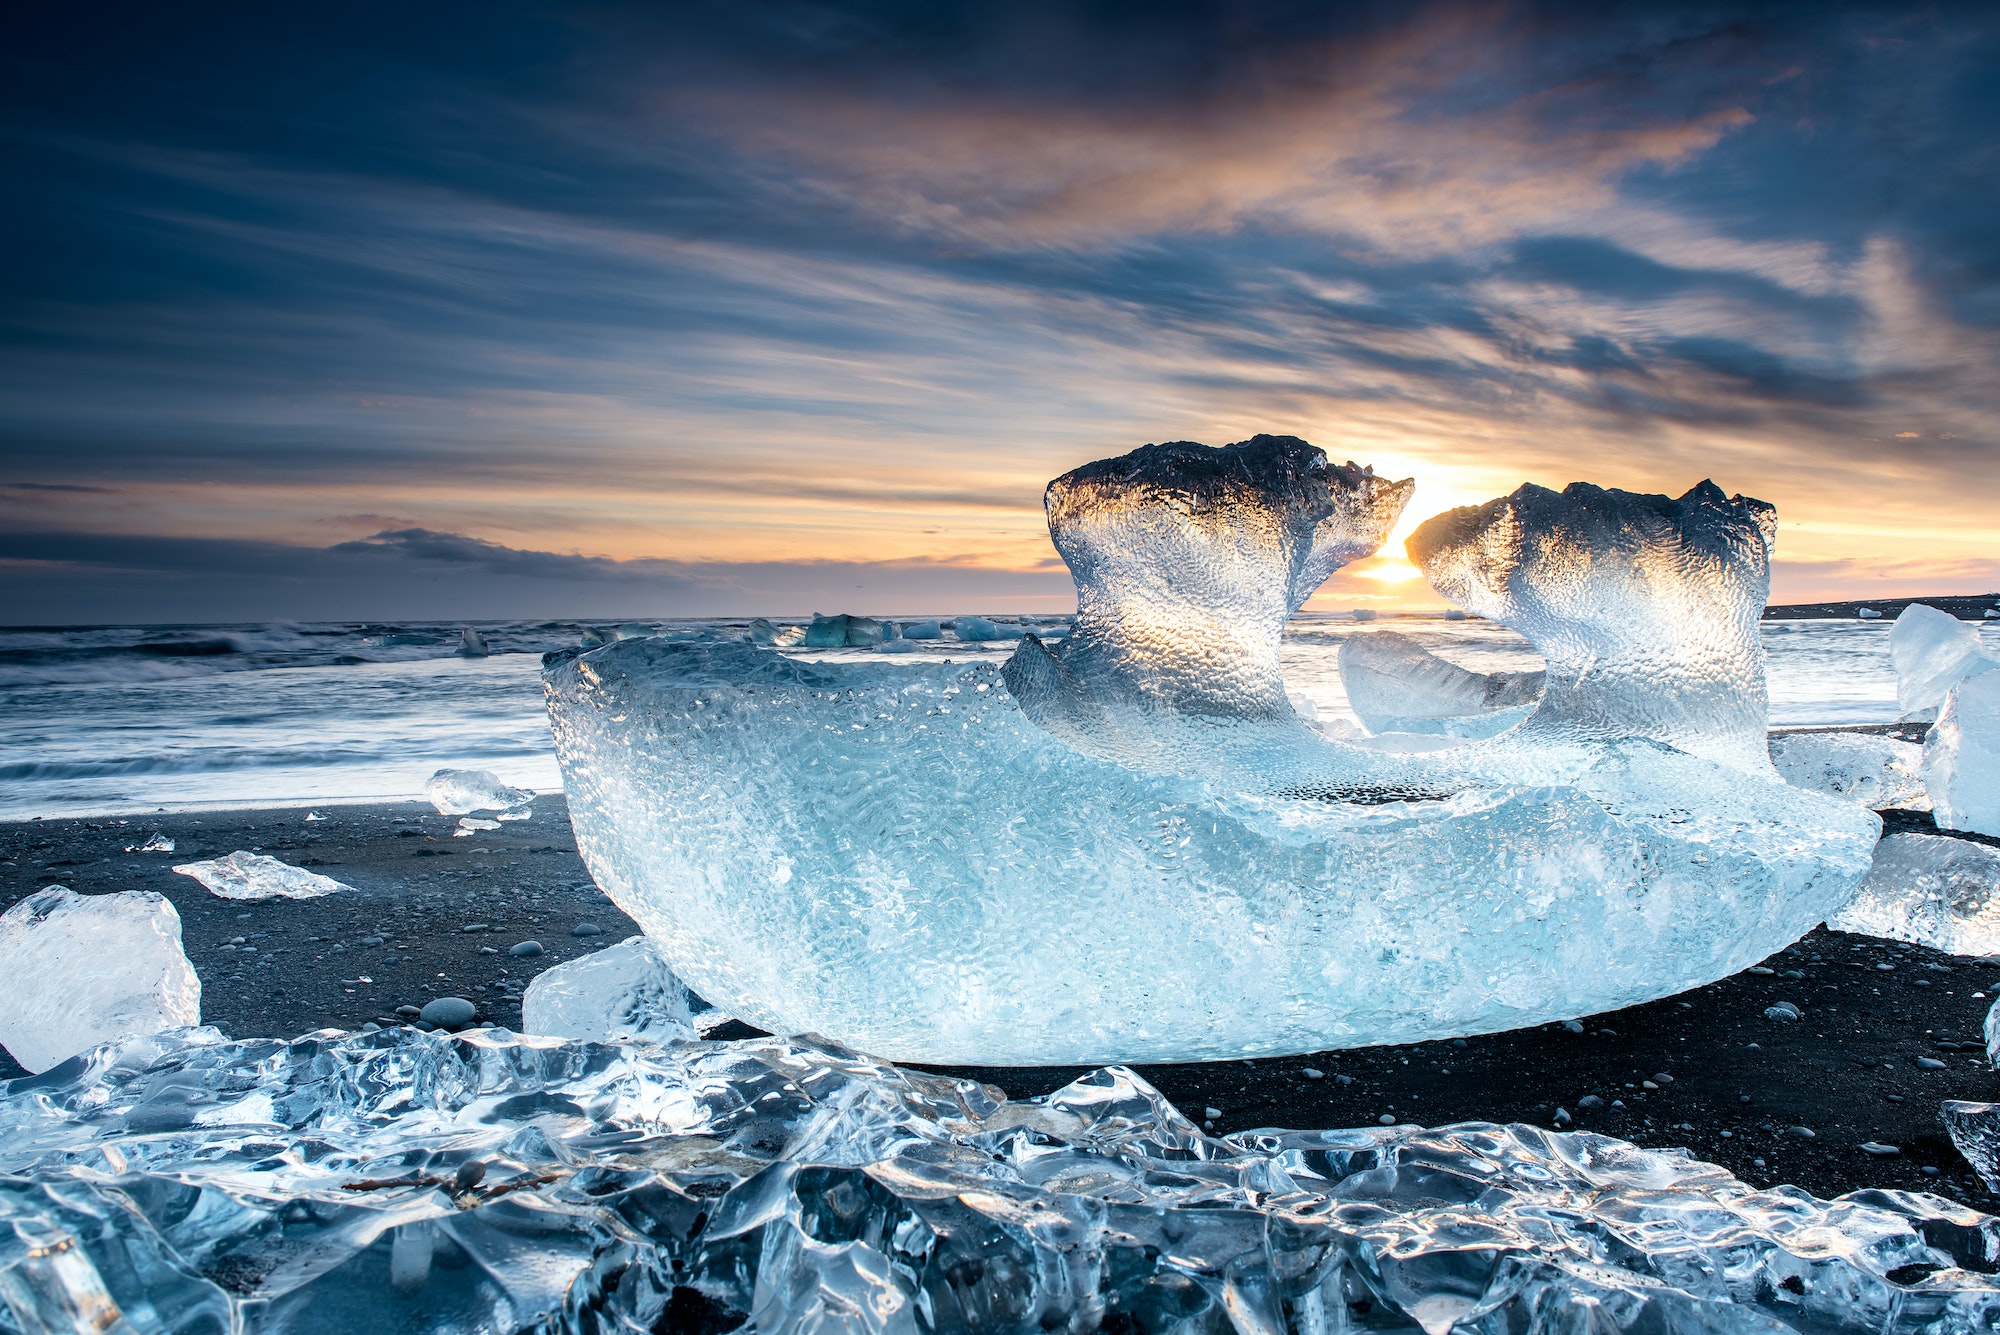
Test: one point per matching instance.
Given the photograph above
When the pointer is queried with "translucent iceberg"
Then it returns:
(1932, 889)
(1880, 773)
(624, 993)
(459, 792)
(1932, 652)
(1961, 766)
(244, 875)
(923, 630)
(1131, 847)
(978, 630)
(80, 970)
(399, 1180)
(1395, 684)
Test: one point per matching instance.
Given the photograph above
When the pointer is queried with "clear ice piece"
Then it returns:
(762, 631)
(245, 875)
(1932, 652)
(1394, 684)
(488, 1181)
(978, 630)
(80, 970)
(1645, 608)
(1188, 559)
(1961, 766)
(1879, 773)
(1931, 889)
(621, 994)
(471, 825)
(471, 644)
(1975, 1131)
(460, 792)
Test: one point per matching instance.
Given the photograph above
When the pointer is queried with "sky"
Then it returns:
(598, 310)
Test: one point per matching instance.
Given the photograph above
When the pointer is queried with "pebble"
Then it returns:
(1387, 1119)
(1761, 970)
(473, 927)
(469, 1175)
(1212, 1114)
(1930, 1063)
(1590, 1102)
(1574, 1026)
(1561, 1118)
(586, 929)
(1784, 1010)
(371, 940)
(450, 1013)
(1885, 968)
(409, 1012)
(488, 950)
(1313, 1073)
(1802, 1132)
(1726, 1135)
(1607, 1033)
(1875, 1149)
(1928, 1170)
(1663, 1079)
(526, 950)
(1343, 1080)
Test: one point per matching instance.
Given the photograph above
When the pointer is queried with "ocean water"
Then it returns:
(123, 719)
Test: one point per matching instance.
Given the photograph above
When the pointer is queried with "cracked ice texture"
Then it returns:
(776, 1185)
(1645, 608)
(80, 970)
(1394, 684)
(1188, 559)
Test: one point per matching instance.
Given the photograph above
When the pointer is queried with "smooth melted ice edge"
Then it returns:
(893, 855)
(354, 1181)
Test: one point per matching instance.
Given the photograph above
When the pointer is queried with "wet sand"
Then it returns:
(436, 915)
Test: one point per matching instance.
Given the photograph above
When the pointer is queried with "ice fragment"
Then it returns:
(245, 875)
(471, 644)
(1931, 889)
(80, 970)
(1961, 765)
(623, 993)
(456, 792)
(1879, 773)
(1932, 651)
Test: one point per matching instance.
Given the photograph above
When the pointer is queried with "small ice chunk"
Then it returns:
(314, 815)
(1869, 614)
(978, 630)
(1975, 1130)
(1364, 614)
(1932, 652)
(244, 875)
(1931, 889)
(473, 825)
(455, 792)
(1879, 773)
(471, 644)
(1303, 706)
(1961, 766)
(762, 631)
(159, 843)
(79, 970)
(1395, 684)
(924, 630)
(621, 994)
(898, 646)
(864, 631)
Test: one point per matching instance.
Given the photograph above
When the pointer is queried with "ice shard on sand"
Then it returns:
(1130, 847)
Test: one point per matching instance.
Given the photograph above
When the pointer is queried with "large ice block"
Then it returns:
(1935, 890)
(79, 970)
(1130, 846)
(401, 1181)
(1932, 652)
(1394, 684)
(1962, 756)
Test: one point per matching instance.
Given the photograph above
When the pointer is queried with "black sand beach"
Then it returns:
(436, 915)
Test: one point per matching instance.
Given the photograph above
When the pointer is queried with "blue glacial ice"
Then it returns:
(482, 1181)
(1129, 846)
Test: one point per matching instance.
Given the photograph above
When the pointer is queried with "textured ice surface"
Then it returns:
(1645, 608)
(1131, 847)
(1932, 889)
(1395, 684)
(1932, 651)
(1880, 773)
(79, 970)
(1975, 1131)
(1961, 766)
(244, 875)
(623, 993)
(458, 792)
(408, 1181)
